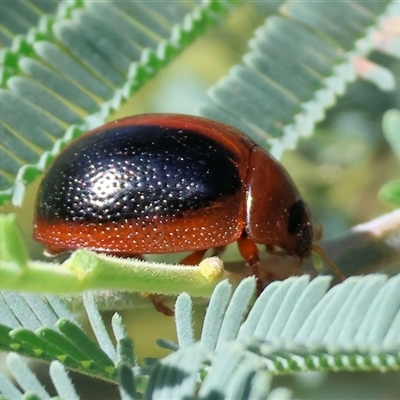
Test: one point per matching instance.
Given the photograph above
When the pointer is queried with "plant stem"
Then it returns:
(88, 270)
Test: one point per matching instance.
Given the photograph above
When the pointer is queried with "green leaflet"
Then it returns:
(298, 63)
(77, 63)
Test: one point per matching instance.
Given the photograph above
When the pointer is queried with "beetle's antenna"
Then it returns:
(320, 251)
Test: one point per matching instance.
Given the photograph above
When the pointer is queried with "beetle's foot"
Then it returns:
(248, 250)
(193, 258)
(158, 302)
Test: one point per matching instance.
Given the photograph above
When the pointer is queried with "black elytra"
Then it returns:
(130, 172)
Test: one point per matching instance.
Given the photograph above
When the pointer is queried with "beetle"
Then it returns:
(165, 183)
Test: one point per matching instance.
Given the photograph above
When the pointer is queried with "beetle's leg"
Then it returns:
(160, 306)
(158, 301)
(193, 258)
(216, 251)
(249, 252)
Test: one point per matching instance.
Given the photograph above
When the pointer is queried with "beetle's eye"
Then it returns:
(297, 217)
(299, 225)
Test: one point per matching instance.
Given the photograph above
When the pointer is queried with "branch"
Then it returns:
(367, 247)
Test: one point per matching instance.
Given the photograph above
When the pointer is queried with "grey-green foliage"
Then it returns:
(299, 62)
(295, 325)
(43, 328)
(76, 63)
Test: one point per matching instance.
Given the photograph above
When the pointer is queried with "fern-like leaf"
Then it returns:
(277, 96)
(295, 325)
(40, 331)
(30, 384)
(75, 67)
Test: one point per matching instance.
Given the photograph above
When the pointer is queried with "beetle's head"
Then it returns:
(300, 229)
